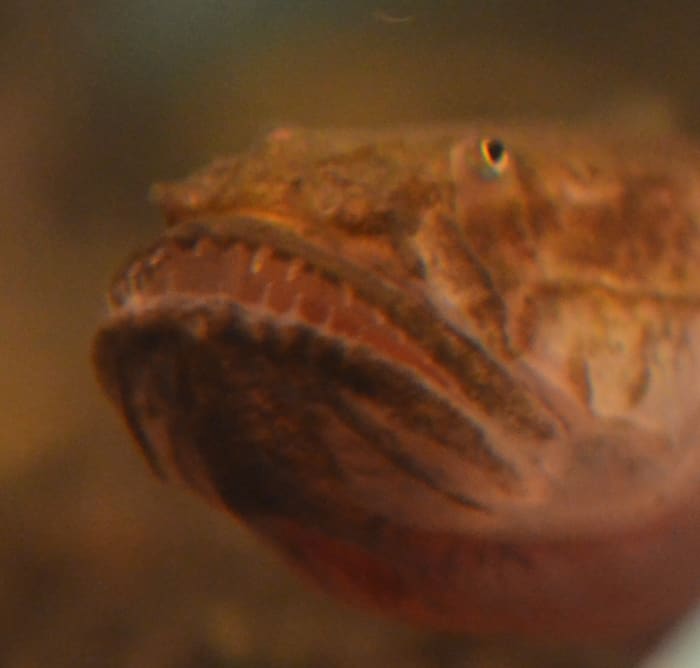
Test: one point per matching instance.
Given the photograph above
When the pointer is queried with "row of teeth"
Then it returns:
(133, 281)
(296, 267)
(348, 317)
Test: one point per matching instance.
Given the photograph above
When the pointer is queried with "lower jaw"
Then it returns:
(614, 587)
(574, 592)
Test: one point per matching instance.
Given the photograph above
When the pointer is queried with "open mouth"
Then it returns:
(291, 361)
(281, 281)
(281, 287)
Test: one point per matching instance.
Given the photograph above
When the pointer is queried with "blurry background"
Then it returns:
(99, 564)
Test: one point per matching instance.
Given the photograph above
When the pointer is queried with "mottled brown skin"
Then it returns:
(457, 386)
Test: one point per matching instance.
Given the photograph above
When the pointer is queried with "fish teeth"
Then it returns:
(200, 247)
(348, 295)
(134, 277)
(260, 256)
(157, 257)
(265, 299)
(326, 324)
(295, 308)
(294, 269)
(379, 317)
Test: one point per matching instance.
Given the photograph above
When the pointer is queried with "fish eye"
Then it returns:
(494, 155)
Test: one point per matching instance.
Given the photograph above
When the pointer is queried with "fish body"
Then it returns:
(453, 373)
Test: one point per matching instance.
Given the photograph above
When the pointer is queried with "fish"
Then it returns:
(451, 373)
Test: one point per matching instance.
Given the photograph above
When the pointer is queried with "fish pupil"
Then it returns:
(494, 150)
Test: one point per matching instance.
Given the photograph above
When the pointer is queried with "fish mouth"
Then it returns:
(233, 335)
(282, 284)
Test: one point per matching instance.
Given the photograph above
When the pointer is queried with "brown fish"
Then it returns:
(452, 373)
